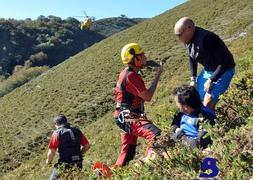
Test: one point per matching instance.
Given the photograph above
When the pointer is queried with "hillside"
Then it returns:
(82, 88)
(110, 26)
(46, 41)
(50, 40)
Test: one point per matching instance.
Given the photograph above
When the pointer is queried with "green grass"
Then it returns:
(19, 78)
(110, 26)
(82, 89)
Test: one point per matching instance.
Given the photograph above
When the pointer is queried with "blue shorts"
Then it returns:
(218, 87)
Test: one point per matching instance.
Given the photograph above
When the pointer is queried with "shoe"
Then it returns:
(114, 166)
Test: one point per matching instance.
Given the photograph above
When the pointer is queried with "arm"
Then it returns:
(148, 94)
(50, 155)
(193, 68)
(209, 116)
(175, 122)
(175, 132)
(84, 144)
(52, 147)
(85, 148)
(217, 73)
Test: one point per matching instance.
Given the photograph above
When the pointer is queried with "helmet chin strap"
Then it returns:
(138, 62)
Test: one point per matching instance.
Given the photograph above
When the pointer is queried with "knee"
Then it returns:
(208, 98)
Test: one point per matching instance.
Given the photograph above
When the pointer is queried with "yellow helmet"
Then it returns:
(129, 51)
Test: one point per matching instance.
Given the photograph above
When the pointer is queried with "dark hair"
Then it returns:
(60, 119)
(188, 95)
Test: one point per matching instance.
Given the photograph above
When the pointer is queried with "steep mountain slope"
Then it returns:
(82, 88)
(46, 41)
(110, 26)
(50, 40)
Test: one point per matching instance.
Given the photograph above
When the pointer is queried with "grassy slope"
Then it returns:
(81, 39)
(110, 26)
(69, 88)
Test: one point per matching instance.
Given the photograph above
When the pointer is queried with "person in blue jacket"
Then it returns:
(186, 123)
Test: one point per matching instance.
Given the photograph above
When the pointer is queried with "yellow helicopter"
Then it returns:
(87, 22)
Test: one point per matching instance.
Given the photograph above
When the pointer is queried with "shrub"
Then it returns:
(19, 78)
(236, 106)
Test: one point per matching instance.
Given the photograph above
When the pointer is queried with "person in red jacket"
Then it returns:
(131, 93)
(70, 143)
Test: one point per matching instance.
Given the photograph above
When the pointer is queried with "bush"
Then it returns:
(19, 78)
(38, 59)
(236, 106)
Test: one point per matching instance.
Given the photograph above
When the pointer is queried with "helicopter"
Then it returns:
(87, 22)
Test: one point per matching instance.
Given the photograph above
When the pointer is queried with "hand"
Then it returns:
(47, 162)
(193, 83)
(208, 85)
(177, 130)
(159, 69)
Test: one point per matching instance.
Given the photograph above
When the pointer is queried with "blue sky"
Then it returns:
(21, 9)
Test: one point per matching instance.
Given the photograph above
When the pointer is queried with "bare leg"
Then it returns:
(208, 101)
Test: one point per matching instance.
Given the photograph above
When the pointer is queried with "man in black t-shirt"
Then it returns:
(208, 49)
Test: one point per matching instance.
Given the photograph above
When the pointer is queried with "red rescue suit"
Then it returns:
(129, 85)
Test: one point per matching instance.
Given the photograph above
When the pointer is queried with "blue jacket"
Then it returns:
(189, 123)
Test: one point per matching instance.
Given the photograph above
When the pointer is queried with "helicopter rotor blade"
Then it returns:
(79, 16)
(84, 12)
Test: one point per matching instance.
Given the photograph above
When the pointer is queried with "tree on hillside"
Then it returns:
(44, 41)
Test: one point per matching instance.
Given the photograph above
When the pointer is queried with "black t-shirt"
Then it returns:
(222, 61)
